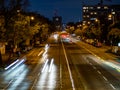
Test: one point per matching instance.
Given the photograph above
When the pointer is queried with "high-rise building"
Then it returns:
(57, 20)
(101, 12)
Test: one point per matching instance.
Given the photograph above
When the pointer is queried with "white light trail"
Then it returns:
(113, 65)
(51, 64)
(112, 86)
(44, 53)
(46, 47)
(44, 65)
(21, 61)
(45, 56)
(12, 64)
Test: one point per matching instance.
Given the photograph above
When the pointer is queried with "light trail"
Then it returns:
(40, 53)
(44, 53)
(113, 65)
(46, 47)
(44, 65)
(51, 64)
(11, 64)
(20, 62)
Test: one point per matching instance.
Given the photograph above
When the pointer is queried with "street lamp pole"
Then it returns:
(112, 17)
(98, 21)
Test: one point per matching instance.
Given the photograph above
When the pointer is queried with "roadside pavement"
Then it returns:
(7, 60)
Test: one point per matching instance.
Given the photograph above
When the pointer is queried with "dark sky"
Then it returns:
(69, 10)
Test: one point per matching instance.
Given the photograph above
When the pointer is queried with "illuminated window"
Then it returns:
(91, 13)
(95, 13)
(88, 16)
(84, 7)
(105, 7)
(113, 12)
(83, 10)
(56, 19)
(84, 16)
(98, 7)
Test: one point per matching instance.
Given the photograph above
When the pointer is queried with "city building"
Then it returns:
(101, 12)
(57, 20)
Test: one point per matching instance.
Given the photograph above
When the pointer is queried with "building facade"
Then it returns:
(57, 20)
(101, 12)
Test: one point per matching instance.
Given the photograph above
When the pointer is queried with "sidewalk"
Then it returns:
(6, 60)
(103, 52)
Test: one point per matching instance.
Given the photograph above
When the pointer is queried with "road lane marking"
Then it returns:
(93, 54)
(33, 84)
(102, 60)
(71, 78)
(112, 86)
(90, 63)
(99, 72)
(8, 84)
(94, 67)
(105, 78)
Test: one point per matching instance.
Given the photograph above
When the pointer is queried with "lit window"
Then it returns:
(95, 13)
(84, 7)
(83, 10)
(113, 12)
(91, 13)
(105, 7)
(87, 15)
(98, 7)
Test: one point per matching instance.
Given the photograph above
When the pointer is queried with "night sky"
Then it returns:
(69, 10)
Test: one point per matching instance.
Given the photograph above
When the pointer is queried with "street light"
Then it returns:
(111, 17)
(98, 21)
(32, 18)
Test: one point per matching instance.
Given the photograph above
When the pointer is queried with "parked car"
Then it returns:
(97, 44)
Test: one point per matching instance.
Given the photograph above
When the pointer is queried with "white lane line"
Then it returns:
(33, 84)
(51, 64)
(38, 74)
(112, 86)
(105, 78)
(8, 84)
(44, 65)
(71, 78)
(94, 67)
(99, 72)
(90, 63)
